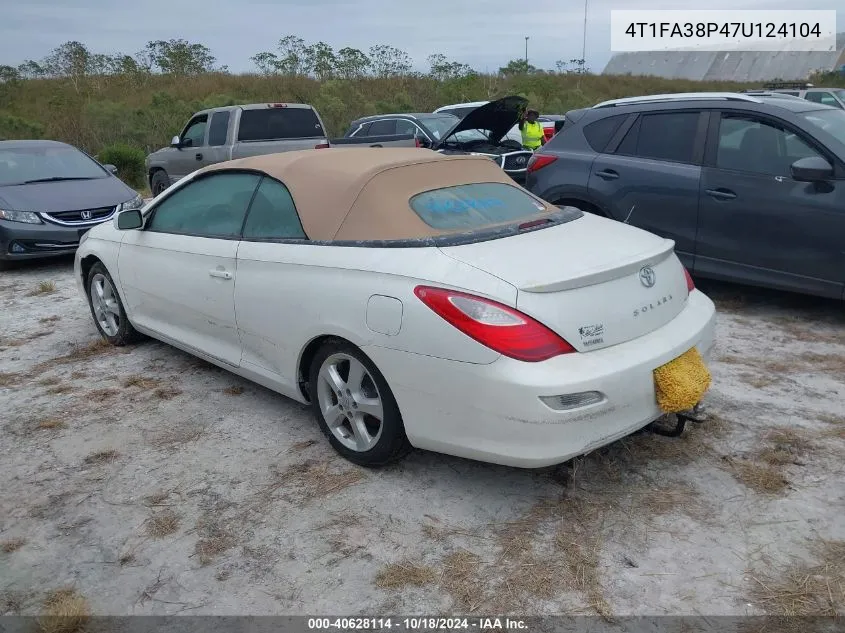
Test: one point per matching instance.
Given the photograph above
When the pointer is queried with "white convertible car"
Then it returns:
(414, 299)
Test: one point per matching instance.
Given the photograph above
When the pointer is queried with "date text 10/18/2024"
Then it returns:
(416, 624)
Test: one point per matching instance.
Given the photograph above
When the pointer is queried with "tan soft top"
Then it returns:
(363, 193)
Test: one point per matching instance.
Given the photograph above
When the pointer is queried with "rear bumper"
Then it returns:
(493, 413)
(19, 240)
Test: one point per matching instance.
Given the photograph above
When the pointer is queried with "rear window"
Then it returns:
(274, 124)
(599, 133)
(474, 206)
(668, 136)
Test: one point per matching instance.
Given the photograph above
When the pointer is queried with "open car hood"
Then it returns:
(497, 116)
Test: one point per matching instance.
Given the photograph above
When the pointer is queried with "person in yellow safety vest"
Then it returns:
(532, 131)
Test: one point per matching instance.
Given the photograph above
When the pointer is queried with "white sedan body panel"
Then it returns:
(181, 287)
(493, 412)
(287, 295)
(254, 307)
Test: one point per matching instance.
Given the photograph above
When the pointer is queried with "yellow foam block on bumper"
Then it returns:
(681, 383)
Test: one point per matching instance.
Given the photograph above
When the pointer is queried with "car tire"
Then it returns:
(348, 396)
(159, 182)
(107, 309)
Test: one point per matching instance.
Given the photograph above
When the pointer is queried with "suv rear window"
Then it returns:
(474, 206)
(274, 124)
(666, 136)
(599, 133)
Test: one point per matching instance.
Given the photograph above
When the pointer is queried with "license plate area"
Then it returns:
(681, 383)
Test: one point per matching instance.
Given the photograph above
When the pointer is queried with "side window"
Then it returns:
(195, 132)
(821, 97)
(272, 214)
(385, 126)
(666, 136)
(750, 144)
(404, 126)
(213, 206)
(598, 133)
(218, 129)
(361, 130)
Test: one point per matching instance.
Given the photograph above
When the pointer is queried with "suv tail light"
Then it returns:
(538, 161)
(495, 325)
(690, 282)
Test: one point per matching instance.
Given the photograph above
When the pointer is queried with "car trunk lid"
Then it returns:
(596, 282)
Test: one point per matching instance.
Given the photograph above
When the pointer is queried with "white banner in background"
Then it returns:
(709, 30)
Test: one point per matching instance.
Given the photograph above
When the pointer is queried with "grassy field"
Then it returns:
(135, 114)
(145, 111)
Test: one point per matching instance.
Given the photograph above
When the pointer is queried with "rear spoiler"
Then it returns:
(619, 269)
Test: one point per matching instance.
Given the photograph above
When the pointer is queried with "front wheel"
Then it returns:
(159, 182)
(107, 308)
(355, 407)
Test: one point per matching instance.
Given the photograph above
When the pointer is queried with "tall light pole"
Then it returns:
(526, 51)
(584, 44)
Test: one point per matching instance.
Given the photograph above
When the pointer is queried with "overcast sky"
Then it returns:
(482, 33)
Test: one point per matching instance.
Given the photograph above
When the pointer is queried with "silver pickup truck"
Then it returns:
(220, 134)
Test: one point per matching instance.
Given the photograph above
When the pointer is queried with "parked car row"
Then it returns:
(221, 134)
(834, 97)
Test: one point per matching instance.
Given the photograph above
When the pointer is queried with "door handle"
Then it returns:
(607, 174)
(198, 156)
(220, 274)
(720, 194)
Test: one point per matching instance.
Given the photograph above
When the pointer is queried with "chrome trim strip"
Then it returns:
(49, 218)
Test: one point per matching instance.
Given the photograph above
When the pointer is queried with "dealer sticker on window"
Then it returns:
(591, 334)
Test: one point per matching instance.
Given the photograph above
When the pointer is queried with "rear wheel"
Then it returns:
(355, 407)
(107, 308)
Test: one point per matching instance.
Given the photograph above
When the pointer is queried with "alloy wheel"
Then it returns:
(350, 402)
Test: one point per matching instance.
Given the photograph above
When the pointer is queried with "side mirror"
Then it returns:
(176, 142)
(129, 220)
(112, 169)
(811, 169)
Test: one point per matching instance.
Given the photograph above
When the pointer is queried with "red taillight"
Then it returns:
(690, 282)
(538, 161)
(321, 146)
(417, 142)
(494, 325)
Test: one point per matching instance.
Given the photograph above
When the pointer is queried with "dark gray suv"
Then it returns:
(750, 187)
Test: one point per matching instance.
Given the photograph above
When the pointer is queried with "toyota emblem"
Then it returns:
(647, 276)
(86, 215)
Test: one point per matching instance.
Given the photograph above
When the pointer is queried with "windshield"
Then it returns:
(19, 165)
(831, 121)
(442, 123)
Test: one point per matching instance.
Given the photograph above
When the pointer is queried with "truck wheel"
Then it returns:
(159, 182)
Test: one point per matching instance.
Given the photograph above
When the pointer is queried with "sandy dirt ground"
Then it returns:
(143, 481)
